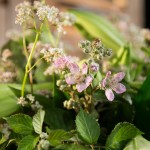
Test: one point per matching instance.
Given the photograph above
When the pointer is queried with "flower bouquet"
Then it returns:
(51, 99)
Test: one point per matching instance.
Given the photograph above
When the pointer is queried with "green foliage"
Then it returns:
(58, 118)
(20, 123)
(28, 143)
(142, 106)
(72, 147)
(97, 27)
(120, 135)
(56, 137)
(138, 143)
(38, 121)
(8, 101)
(87, 127)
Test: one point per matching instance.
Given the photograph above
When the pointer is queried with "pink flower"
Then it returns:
(61, 62)
(111, 83)
(94, 67)
(79, 77)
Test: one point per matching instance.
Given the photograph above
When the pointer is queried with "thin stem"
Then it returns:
(26, 54)
(28, 64)
(38, 61)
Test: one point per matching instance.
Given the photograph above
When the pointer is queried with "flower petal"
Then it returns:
(119, 88)
(81, 86)
(118, 76)
(109, 94)
(73, 67)
(70, 80)
(84, 69)
(88, 80)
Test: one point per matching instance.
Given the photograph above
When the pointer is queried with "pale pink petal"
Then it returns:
(103, 83)
(81, 86)
(109, 94)
(84, 69)
(88, 80)
(108, 74)
(70, 80)
(118, 76)
(73, 67)
(119, 88)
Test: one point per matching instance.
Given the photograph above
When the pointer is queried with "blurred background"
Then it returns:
(135, 10)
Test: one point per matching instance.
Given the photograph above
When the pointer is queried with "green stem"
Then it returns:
(38, 61)
(28, 65)
(26, 54)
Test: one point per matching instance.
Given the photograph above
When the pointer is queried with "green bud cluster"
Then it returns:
(95, 49)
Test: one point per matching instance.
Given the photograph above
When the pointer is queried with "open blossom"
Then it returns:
(111, 83)
(79, 77)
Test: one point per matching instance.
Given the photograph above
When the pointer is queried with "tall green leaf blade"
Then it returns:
(28, 143)
(120, 135)
(98, 27)
(38, 121)
(20, 123)
(142, 107)
(138, 143)
(87, 127)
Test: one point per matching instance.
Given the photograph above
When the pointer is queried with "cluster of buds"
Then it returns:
(5, 130)
(44, 143)
(24, 12)
(29, 100)
(95, 49)
(50, 54)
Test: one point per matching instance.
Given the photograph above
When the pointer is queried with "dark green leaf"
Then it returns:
(142, 106)
(28, 143)
(72, 147)
(59, 119)
(20, 123)
(87, 127)
(120, 135)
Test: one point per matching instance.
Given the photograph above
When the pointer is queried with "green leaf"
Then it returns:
(20, 123)
(28, 143)
(56, 137)
(120, 135)
(97, 79)
(72, 147)
(98, 27)
(59, 119)
(138, 143)
(142, 107)
(38, 121)
(8, 101)
(87, 127)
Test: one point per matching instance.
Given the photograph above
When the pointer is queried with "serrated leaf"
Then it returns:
(28, 143)
(20, 123)
(38, 121)
(138, 143)
(120, 135)
(56, 137)
(87, 127)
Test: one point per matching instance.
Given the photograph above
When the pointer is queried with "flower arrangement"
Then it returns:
(52, 100)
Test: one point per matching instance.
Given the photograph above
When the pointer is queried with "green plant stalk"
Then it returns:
(26, 54)
(28, 64)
